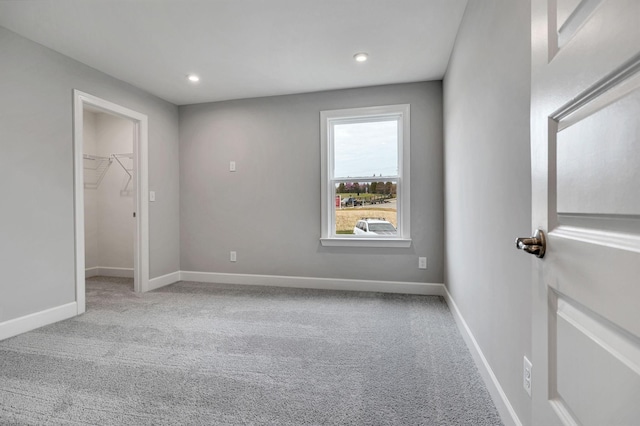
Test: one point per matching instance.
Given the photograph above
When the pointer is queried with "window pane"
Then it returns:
(370, 201)
(366, 149)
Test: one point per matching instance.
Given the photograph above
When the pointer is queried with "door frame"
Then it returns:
(140, 185)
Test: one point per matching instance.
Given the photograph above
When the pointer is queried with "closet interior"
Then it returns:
(108, 194)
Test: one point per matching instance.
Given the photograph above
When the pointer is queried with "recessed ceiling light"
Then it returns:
(360, 57)
(193, 78)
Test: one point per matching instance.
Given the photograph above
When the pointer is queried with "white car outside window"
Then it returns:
(374, 227)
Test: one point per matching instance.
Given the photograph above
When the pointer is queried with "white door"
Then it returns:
(585, 131)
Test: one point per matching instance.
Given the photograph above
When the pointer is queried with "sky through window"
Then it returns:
(366, 149)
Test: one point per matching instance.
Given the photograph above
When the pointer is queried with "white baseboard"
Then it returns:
(92, 272)
(36, 320)
(435, 289)
(428, 289)
(502, 403)
(163, 280)
(104, 271)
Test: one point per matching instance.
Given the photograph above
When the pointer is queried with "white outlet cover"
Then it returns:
(422, 262)
(232, 256)
(232, 166)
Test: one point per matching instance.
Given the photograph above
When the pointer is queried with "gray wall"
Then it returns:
(269, 209)
(488, 185)
(36, 173)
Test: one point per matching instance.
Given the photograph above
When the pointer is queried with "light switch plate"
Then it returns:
(526, 376)
(152, 196)
(232, 166)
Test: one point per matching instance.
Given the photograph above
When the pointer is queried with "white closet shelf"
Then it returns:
(94, 157)
(95, 167)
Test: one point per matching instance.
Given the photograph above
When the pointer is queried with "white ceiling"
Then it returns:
(245, 48)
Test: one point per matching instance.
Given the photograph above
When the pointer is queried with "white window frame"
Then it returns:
(328, 119)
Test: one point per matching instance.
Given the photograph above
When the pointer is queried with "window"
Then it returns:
(365, 177)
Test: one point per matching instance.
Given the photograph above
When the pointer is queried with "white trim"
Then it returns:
(107, 271)
(141, 242)
(92, 272)
(141, 188)
(327, 227)
(78, 199)
(503, 405)
(164, 280)
(428, 289)
(36, 320)
(364, 242)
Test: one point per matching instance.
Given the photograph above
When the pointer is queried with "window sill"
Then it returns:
(365, 242)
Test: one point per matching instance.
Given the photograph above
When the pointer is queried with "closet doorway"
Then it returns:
(111, 193)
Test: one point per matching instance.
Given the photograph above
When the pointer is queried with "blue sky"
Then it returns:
(365, 149)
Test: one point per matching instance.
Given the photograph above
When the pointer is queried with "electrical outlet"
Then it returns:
(422, 262)
(232, 166)
(232, 256)
(526, 376)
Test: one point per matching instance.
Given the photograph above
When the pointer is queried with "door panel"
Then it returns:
(565, 9)
(586, 197)
(608, 365)
(571, 15)
(596, 159)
